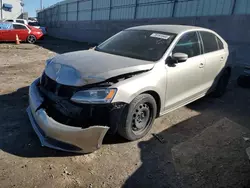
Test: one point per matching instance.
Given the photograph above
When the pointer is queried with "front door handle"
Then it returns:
(201, 65)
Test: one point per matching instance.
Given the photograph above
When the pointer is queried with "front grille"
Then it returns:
(83, 116)
(56, 88)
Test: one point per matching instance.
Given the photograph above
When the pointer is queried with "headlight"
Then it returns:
(96, 96)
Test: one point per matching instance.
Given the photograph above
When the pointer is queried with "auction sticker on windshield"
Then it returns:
(160, 36)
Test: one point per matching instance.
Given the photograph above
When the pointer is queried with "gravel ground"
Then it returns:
(200, 148)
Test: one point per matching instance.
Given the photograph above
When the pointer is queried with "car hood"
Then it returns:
(88, 67)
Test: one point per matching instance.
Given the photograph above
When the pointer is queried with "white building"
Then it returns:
(11, 9)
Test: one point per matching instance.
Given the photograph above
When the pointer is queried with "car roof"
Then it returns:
(18, 23)
(177, 29)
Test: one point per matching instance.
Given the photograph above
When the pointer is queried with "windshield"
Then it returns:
(138, 44)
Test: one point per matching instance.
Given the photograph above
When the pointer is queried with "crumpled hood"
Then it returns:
(90, 66)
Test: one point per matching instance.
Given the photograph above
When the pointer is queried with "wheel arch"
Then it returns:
(157, 98)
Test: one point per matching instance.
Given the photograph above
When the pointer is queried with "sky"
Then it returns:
(31, 6)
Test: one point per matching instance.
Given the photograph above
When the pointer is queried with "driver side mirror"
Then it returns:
(180, 57)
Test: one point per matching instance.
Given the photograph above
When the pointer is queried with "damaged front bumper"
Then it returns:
(60, 136)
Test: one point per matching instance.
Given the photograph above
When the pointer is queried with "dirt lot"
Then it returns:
(203, 142)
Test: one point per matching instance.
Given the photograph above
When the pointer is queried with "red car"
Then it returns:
(9, 31)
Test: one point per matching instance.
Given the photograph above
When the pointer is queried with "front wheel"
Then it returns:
(138, 118)
(31, 39)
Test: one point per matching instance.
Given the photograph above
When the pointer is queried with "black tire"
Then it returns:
(31, 39)
(221, 86)
(138, 118)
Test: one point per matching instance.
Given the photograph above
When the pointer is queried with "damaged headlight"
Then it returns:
(97, 96)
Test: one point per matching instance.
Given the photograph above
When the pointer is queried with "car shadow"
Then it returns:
(159, 166)
(16, 134)
(61, 46)
(227, 167)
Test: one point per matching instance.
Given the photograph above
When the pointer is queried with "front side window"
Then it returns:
(16, 26)
(138, 44)
(9, 20)
(209, 42)
(188, 44)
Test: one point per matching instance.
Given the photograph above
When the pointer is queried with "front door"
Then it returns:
(185, 78)
(21, 31)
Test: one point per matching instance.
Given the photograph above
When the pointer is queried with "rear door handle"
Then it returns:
(201, 65)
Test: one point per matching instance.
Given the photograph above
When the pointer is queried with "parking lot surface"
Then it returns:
(201, 145)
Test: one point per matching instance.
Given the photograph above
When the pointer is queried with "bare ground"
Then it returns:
(201, 148)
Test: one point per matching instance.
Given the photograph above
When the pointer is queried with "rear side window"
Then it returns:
(188, 44)
(15, 26)
(220, 43)
(9, 21)
(209, 42)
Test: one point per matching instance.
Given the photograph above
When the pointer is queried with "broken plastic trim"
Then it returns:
(82, 140)
(125, 76)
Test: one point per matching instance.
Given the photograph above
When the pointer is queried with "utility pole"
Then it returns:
(1, 9)
(41, 4)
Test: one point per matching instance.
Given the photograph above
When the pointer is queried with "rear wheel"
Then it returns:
(222, 84)
(31, 39)
(138, 118)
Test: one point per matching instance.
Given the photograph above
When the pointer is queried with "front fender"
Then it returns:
(153, 80)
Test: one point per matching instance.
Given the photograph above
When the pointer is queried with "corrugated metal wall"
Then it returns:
(74, 10)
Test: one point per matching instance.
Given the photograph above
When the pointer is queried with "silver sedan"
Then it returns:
(123, 84)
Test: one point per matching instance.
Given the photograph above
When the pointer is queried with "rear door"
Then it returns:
(1, 33)
(21, 30)
(215, 57)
